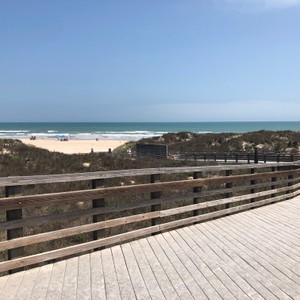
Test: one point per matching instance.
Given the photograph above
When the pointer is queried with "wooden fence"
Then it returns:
(237, 157)
(77, 213)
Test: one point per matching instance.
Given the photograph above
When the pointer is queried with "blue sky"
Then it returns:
(172, 60)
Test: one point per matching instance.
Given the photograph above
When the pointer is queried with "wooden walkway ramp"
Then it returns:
(250, 255)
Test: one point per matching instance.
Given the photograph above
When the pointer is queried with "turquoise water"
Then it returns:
(132, 131)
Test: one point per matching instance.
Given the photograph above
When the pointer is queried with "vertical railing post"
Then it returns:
(236, 157)
(155, 195)
(228, 186)
(196, 175)
(253, 182)
(98, 234)
(248, 158)
(273, 180)
(278, 157)
(11, 215)
(290, 178)
(225, 157)
(255, 156)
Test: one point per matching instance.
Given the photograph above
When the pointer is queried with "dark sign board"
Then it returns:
(154, 150)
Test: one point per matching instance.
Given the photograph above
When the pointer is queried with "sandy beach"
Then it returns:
(75, 146)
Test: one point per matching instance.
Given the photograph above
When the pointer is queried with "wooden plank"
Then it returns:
(53, 235)
(219, 272)
(265, 248)
(41, 285)
(11, 287)
(84, 278)
(27, 284)
(69, 290)
(28, 222)
(46, 256)
(56, 281)
(160, 274)
(245, 279)
(3, 280)
(203, 282)
(278, 241)
(204, 217)
(233, 260)
(85, 195)
(139, 286)
(147, 273)
(124, 280)
(60, 178)
(258, 263)
(202, 266)
(188, 208)
(183, 272)
(111, 282)
(282, 275)
(177, 282)
(122, 237)
(240, 287)
(97, 277)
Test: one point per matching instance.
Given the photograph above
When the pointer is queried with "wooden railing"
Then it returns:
(76, 213)
(237, 157)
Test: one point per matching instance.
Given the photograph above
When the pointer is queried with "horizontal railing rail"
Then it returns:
(87, 211)
(238, 157)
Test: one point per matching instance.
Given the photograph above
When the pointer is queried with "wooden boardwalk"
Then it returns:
(250, 255)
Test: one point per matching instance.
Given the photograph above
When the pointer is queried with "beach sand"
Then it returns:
(75, 146)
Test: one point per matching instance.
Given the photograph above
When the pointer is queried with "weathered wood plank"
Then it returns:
(139, 286)
(126, 220)
(84, 278)
(202, 266)
(41, 285)
(69, 290)
(232, 260)
(56, 281)
(183, 272)
(111, 281)
(124, 280)
(27, 284)
(147, 273)
(212, 265)
(11, 287)
(283, 291)
(138, 204)
(46, 256)
(85, 195)
(203, 282)
(265, 250)
(60, 178)
(97, 277)
(48, 236)
(177, 282)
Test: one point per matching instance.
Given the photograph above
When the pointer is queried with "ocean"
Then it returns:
(132, 131)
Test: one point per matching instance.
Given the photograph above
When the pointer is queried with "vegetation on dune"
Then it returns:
(18, 159)
(266, 141)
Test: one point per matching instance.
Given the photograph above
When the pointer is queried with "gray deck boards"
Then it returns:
(250, 255)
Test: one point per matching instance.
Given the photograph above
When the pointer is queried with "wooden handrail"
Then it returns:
(217, 191)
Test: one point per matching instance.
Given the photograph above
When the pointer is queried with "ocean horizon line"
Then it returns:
(132, 130)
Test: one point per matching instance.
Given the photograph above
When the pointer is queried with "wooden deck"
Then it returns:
(250, 255)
